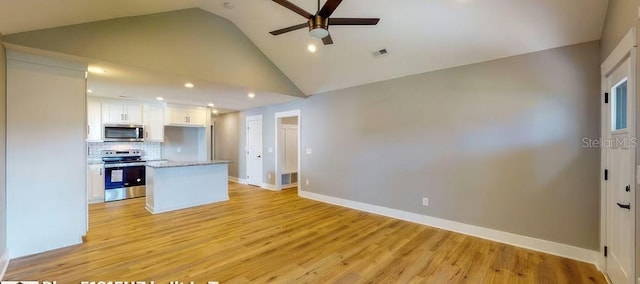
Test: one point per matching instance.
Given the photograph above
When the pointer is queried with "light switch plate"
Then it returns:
(270, 150)
(308, 151)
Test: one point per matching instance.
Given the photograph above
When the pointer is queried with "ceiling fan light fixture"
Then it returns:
(319, 33)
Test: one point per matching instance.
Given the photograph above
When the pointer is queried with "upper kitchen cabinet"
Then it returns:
(121, 113)
(186, 116)
(94, 121)
(154, 123)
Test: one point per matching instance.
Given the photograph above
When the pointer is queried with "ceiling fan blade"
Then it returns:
(289, 29)
(294, 8)
(353, 21)
(327, 40)
(328, 8)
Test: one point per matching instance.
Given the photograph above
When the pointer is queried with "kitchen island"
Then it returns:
(173, 185)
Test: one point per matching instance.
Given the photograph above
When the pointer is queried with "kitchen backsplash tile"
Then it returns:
(152, 151)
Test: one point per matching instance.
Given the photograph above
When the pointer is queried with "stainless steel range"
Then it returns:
(124, 174)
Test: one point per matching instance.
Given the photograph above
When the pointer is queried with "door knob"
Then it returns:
(624, 206)
(628, 188)
(259, 156)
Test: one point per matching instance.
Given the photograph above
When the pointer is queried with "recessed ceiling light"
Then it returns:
(188, 85)
(160, 98)
(311, 48)
(97, 70)
(252, 95)
(211, 105)
(89, 91)
(215, 111)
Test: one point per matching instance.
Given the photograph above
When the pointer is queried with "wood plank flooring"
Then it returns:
(261, 236)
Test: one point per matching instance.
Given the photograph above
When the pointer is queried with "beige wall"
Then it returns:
(3, 157)
(227, 145)
(621, 16)
(494, 144)
(193, 43)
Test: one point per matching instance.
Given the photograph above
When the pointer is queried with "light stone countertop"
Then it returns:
(173, 164)
(100, 162)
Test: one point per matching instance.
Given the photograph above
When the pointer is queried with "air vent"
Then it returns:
(380, 52)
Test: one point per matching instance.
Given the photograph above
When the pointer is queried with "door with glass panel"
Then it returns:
(620, 150)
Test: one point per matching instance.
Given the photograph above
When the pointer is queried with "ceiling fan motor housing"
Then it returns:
(319, 26)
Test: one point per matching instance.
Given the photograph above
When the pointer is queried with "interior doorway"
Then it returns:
(287, 145)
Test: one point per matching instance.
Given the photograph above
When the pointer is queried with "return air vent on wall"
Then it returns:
(380, 52)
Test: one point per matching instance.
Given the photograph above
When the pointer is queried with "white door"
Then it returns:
(254, 150)
(620, 222)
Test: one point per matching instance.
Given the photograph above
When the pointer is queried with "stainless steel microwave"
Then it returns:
(123, 133)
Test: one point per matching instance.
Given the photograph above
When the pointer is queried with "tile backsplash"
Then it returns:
(152, 151)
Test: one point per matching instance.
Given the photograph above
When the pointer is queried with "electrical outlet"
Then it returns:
(425, 201)
(306, 182)
(308, 151)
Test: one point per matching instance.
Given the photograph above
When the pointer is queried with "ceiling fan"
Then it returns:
(319, 23)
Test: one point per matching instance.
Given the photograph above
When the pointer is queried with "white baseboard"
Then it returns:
(237, 180)
(4, 263)
(269, 187)
(94, 201)
(545, 246)
(295, 184)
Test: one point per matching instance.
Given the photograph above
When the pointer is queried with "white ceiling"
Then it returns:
(133, 83)
(28, 15)
(420, 35)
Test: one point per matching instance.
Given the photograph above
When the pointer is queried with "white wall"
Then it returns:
(46, 156)
(3, 159)
(185, 143)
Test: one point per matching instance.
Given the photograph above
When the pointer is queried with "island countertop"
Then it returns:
(173, 164)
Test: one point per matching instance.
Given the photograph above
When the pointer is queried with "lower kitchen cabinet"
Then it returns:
(95, 183)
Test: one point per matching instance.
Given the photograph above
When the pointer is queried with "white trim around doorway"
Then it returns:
(290, 113)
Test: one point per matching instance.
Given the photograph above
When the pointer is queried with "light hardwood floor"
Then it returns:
(264, 236)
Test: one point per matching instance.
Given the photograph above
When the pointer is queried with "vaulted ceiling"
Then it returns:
(420, 35)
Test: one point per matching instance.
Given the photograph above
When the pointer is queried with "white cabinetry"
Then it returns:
(94, 121)
(95, 183)
(153, 123)
(121, 113)
(186, 116)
